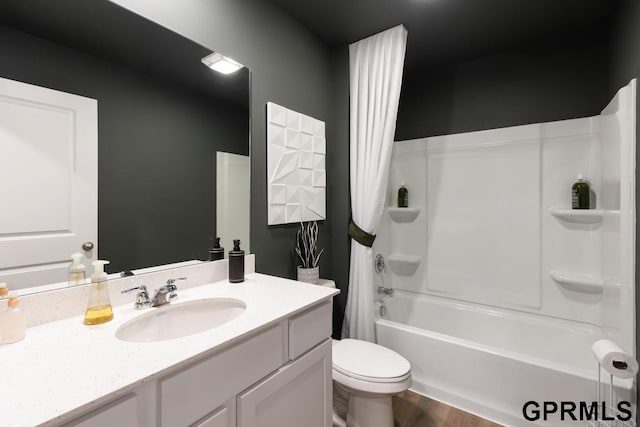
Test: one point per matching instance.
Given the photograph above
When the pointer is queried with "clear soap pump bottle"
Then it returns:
(76, 270)
(99, 307)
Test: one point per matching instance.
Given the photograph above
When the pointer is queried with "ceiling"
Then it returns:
(440, 31)
(447, 31)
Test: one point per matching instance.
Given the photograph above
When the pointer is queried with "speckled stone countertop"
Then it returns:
(63, 368)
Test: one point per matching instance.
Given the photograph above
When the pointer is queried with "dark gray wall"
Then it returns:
(156, 150)
(625, 65)
(290, 67)
(543, 81)
(339, 157)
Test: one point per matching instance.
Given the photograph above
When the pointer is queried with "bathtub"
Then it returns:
(491, 362)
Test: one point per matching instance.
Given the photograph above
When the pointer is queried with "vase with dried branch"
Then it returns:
(308, 253)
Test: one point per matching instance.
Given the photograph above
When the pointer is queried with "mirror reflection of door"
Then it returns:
(48, 181)
(232, 200)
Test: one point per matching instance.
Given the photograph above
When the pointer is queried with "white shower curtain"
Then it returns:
(375, 67)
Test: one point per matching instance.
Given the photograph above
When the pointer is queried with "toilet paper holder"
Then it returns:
(620, 364)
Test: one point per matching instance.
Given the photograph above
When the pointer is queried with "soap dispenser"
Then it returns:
(236, 263)
(216, 252)
(99, 307)
(403, 196)
(13, 323)
(76, 270)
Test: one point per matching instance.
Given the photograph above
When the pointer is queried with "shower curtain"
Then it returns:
(375, 73)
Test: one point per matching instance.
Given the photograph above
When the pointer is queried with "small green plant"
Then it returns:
(307, 245)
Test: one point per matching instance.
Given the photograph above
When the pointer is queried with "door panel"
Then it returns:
(48, 181)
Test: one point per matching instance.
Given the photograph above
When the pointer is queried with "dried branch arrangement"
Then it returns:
(307, 245)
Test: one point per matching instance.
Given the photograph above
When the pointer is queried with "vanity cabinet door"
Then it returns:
(298, 394)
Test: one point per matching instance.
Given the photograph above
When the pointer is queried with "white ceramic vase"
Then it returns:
(309, 275)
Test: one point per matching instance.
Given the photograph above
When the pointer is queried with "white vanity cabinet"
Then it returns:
(277, 377)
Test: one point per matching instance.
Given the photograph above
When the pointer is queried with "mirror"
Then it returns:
(163, 117)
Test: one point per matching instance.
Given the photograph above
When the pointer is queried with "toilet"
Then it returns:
(367, 374)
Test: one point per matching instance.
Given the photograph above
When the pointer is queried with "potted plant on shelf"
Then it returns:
(307, 250)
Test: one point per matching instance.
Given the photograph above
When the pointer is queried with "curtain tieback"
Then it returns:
(360, 236)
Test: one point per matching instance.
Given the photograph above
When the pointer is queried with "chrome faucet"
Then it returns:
(165, 294)
(142, 298)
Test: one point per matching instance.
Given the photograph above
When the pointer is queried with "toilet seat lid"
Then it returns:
(369, 361)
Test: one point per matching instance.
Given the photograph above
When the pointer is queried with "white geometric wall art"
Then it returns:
(296, 166)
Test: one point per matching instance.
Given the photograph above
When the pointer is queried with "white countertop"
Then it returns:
(64, 368)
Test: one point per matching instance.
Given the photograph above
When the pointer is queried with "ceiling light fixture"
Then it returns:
(221, 63)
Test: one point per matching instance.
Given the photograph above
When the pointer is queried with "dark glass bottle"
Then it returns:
(580, 193)
(236, 263)
(403, 196)
(216, 252)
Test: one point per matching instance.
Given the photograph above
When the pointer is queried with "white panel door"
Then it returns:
(233, 185)
(48, 181)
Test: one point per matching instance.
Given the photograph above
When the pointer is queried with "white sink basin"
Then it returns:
(182, 319)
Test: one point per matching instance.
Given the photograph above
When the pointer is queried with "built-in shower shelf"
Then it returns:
(578, 282)
(403, 214)
(583, 216)
(404, 265)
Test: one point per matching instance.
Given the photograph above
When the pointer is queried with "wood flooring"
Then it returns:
(413, 410)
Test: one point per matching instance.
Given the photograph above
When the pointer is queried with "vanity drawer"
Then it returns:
(191, 394)
(309, 328)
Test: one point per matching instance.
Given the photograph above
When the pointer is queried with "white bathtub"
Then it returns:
(491, 362)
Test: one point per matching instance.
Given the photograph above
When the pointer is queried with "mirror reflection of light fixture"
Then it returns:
(221, 63)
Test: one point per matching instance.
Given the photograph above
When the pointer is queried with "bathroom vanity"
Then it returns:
(271, 365)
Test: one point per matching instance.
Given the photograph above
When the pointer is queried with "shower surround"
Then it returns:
(491, 245)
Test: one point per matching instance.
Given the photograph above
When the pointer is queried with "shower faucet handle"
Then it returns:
(379, 265)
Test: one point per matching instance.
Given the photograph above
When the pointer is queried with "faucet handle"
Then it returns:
(385, 291)
(142, 298)
(172, 281)
(141, 288)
